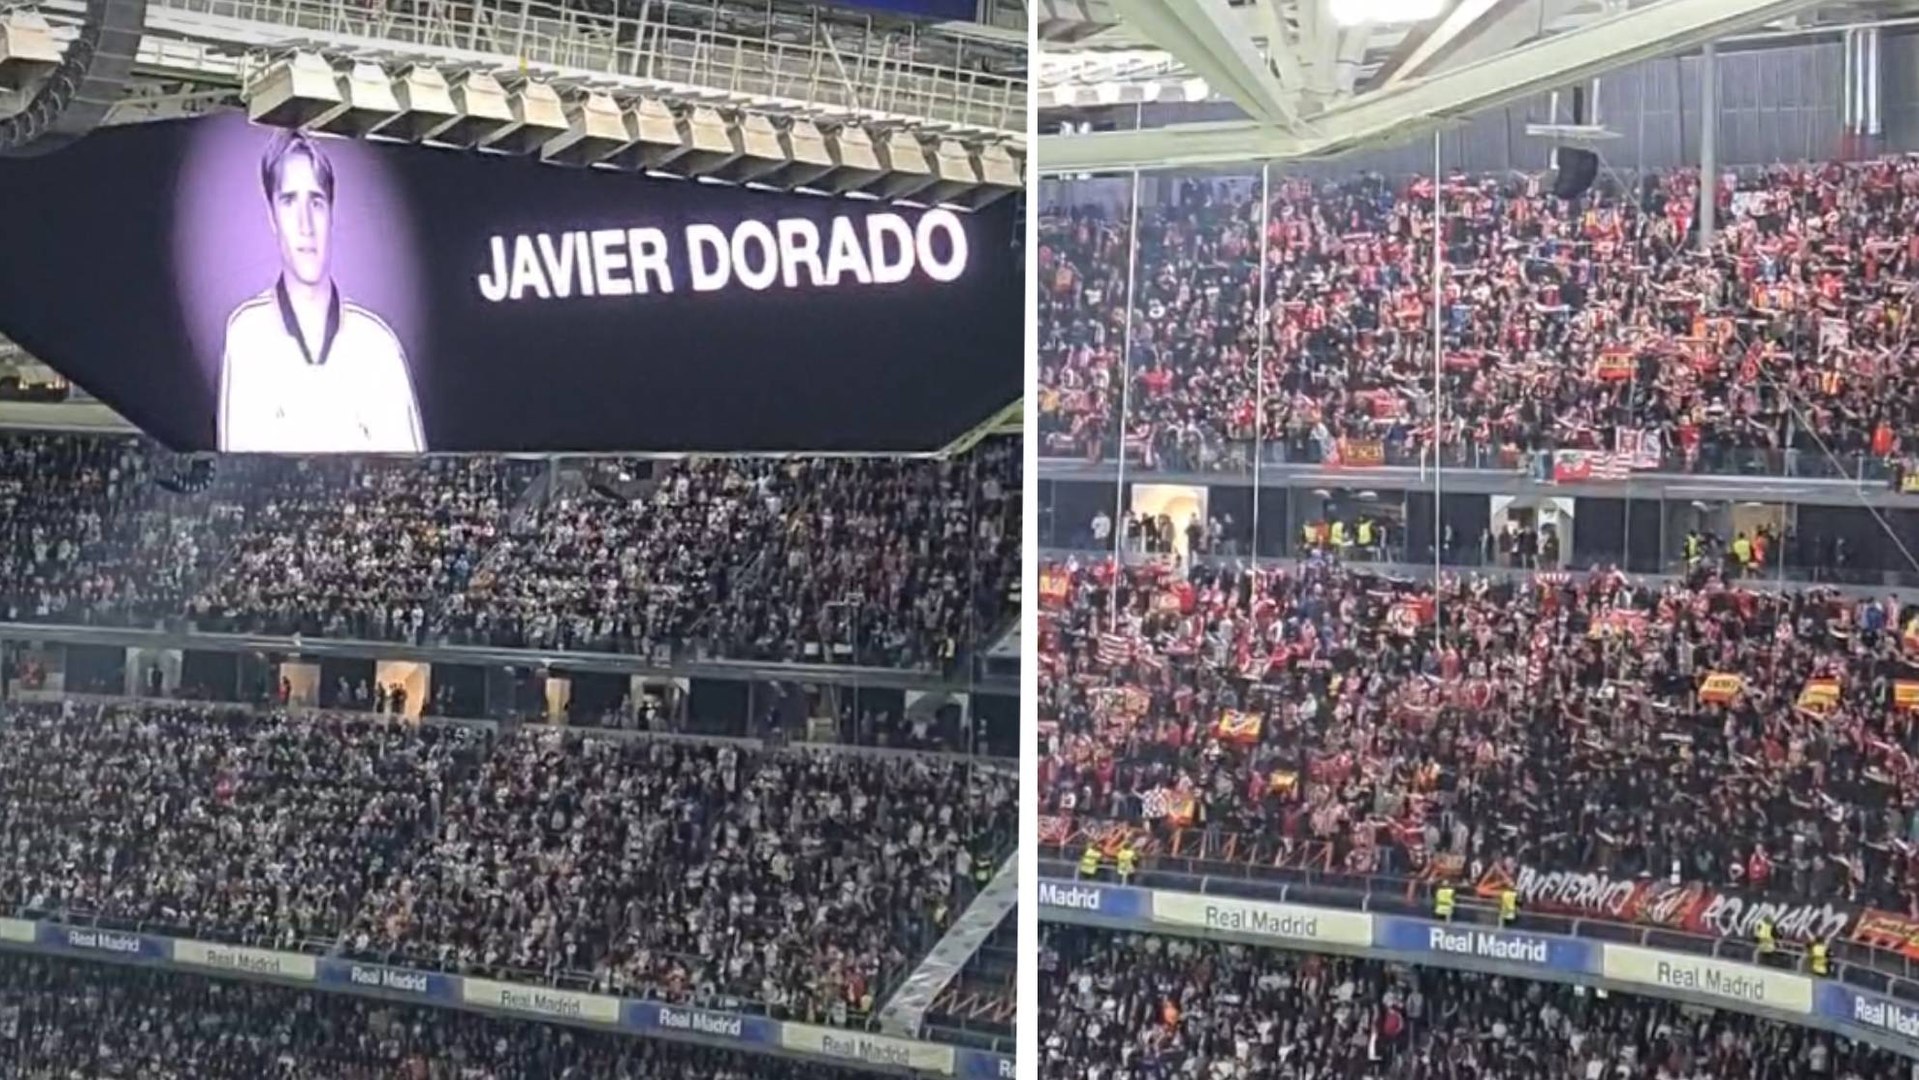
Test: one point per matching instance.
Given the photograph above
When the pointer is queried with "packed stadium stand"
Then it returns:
(63, 1018)
(881, 563)
(1786, 330)
(1138, 1004)
(414, 671)
(1477, 621)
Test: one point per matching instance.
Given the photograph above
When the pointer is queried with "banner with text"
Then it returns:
(653, 1016)
(425, 985)
(1691, 907)
(1104, 901)
(1741, 984)
(882, 1050)
(541, 1001)
(1542, 951)
(272, 965)
(87, 939)
(1255, 918)
(1871, 1013)
(982, 1065)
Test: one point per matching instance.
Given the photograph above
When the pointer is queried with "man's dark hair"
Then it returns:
(284, 144)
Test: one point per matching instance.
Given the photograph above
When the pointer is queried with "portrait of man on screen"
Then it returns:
(305, 369)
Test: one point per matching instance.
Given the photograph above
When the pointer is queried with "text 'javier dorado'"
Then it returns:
(880, 248)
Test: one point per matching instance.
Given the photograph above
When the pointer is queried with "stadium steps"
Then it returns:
(978, 1009)
(905, 1011)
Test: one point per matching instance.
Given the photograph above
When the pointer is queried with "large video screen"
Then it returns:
(234, 287)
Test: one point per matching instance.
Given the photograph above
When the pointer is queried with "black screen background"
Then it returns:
(86, 285)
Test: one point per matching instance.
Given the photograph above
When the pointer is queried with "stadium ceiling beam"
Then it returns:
(1209, 38)
(1418, 105)
(1475, 30)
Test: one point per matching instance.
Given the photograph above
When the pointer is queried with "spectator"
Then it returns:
(212, 822)
(840, 561)
(1579, 324)
(803, 882)
(1555, 723)
(84, 536)
(691, 872)
(1128, 1005)
(361, 549)
(63, 1018)
(850, 561)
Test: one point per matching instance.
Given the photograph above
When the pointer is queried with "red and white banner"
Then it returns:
(1579, 466)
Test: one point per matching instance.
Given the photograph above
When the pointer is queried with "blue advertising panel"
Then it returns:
(273, 292)
(746, 1030)
(1499, 946)
(1874, 1013)
(427, 986)
(980, 1065)
(87, 939)
(1104, 901)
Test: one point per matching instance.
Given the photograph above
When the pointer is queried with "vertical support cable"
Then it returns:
(1708, 144)
(1125, 398)
(1872, 91)
(1439, 367)
(1264, 335)
(1848, 98)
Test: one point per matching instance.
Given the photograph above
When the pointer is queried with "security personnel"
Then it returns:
(1340, 542)
(1763, 932)
(1508, 906)
(1693, 545)
(1365, 531)
(1126, 862)
(1821, 963)
(1089, 861)
(1443, 903)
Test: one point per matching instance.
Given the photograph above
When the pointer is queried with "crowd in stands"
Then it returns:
(1563, 723)
(804, 881)
(1139, 1007)
(65, 1019)
(872, 562)
(261, 829)
(87, 536)
(1566, 323)
(875, 562)
(800, 880)
(361, 549)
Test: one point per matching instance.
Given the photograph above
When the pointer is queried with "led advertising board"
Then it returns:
(229, 286)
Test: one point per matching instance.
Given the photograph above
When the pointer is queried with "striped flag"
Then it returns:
(1115, 649)
(1611, 466)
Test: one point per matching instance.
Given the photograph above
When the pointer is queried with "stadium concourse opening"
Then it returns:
(463, 618)
(1478, 633)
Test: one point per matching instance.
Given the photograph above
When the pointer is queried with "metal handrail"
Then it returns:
(1856, 963)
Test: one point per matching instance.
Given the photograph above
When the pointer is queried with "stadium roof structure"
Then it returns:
(670, 84)
(1279, 80)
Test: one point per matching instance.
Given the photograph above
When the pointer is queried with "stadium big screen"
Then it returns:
(228, 286)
